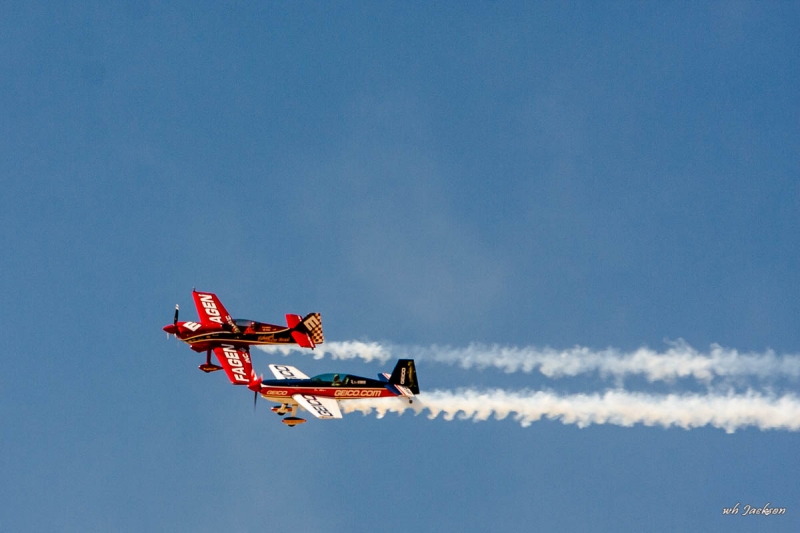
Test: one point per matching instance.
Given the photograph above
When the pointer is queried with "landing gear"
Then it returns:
(208, 366)
(292, 421)
(280, 411)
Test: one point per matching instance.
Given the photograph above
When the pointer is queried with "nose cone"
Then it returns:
(171, 329)
(255, 383)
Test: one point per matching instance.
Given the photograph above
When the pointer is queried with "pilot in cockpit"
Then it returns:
(245, 326)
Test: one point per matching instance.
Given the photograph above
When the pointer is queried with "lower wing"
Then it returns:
(236, 363)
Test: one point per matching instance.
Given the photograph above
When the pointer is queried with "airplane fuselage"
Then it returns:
(321, 394)
(282, 390)
(216, 327)
(201, 339)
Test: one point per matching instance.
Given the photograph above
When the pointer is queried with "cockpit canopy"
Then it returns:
(243, 322)
(341, 379)
(332, 378)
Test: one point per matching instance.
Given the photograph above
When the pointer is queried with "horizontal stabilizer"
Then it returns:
(293, 320)
(306, 332)
(302, 339)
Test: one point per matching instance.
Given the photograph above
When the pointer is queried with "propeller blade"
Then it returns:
(255, 386)
(175, 321)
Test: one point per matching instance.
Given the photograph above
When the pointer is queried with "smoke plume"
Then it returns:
(729, 412)
(679, 361)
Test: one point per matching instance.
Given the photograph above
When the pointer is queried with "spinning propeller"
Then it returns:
(173, 329)
(255, 386)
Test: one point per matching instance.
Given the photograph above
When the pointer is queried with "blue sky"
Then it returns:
(529, 174)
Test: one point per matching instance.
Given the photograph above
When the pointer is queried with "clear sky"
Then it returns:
(532, 174)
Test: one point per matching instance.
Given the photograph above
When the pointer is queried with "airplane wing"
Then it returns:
(319, 406)
(286, 372)
(210, 310)
(236, 363)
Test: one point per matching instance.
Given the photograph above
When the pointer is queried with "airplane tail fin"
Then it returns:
(313, 323)
(404, 377)
(306, 332)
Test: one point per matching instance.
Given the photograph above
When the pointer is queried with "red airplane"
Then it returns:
(230, 339)
(321, 394)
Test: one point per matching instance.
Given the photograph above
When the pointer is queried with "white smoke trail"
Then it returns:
(679, 361)
(368, 351)
(729, 412)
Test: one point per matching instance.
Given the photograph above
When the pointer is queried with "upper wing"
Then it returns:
(319, 406)
(286, 372)
(210, 310)
(236, 363)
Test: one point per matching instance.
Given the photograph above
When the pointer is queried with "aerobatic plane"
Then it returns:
(230, 339)
(321, 394)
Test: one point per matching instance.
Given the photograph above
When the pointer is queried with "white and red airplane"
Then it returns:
(321, 394)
